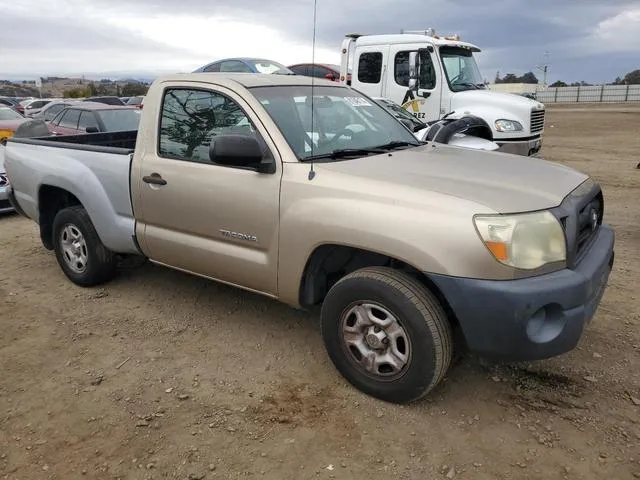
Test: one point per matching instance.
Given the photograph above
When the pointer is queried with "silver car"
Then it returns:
(5, 206)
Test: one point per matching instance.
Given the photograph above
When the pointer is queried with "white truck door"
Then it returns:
(369, 69)
(426, 102)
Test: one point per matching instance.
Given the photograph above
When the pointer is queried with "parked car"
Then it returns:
(401, 243)
(10, 119)
(35, 106)
(49, 111)
(318, 70)
(109, 100)
(86, 117)
(455, 129)
(136, 101)
(12, 103)
(5, 205)
(245, 65)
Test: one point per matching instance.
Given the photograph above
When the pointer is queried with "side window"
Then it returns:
(56, 119)
(70, 118)
(234, 66)
(401, 68)
(427, 78)
(370, 67)
(87, 119)
(213, 68)
(319, 72)
(300, 70)
(53, 110)
(191, 118)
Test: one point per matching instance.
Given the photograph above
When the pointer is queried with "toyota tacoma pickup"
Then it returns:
(286, 186)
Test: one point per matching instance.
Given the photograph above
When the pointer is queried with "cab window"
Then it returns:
(370, 67)
(191, 118)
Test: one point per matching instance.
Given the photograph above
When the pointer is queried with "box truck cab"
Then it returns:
(431, 76)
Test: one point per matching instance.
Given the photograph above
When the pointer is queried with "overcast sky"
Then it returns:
(592, 40)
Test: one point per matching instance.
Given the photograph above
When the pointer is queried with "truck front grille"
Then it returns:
(589, 219)
(537, 121)
(581, 215)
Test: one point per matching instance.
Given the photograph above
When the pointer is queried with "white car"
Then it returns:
(34, 107)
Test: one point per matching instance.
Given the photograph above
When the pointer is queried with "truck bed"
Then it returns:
(108, 142)
(93, 168)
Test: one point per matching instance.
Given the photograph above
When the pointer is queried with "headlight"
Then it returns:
(508, 126)
(526, 241)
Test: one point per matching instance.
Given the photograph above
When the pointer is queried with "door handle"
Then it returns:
(154, 179)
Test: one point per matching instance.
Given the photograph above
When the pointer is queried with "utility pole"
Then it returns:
(545, 68)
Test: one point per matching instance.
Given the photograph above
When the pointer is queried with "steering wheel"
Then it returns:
(345, 132)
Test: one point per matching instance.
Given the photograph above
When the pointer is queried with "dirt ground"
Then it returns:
(164, 375)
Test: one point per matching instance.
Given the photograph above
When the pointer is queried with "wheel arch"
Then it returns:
(328, 263)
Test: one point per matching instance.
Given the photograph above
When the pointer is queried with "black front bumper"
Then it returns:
(531, 318)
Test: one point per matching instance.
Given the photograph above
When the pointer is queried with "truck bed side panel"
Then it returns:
(98, 179)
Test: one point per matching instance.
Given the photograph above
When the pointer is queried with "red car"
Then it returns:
(327, 71)
(10, 120)
(89, 117)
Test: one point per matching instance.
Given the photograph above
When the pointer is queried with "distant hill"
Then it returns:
(57, 87)
(18, 89)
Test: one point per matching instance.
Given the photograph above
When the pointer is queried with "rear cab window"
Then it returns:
(370, 67)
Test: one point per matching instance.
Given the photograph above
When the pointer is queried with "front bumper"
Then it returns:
(5, 204)
(531, 318)
(528, 148)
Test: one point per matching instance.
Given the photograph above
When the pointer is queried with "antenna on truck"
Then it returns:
(312, 172)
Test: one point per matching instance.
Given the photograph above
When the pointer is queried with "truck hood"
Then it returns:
(492, 106)
(503, 182)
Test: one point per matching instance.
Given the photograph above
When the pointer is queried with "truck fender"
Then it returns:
(442, 131)
(401, 234)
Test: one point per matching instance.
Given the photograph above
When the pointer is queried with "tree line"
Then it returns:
(107, 88)
(631, 78)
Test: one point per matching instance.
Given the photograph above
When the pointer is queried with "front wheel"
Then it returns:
(80, 253)
(386, 334)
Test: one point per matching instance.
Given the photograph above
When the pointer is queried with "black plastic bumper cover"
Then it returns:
(532, 318)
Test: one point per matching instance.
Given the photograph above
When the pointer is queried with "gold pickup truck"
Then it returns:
(308, 192)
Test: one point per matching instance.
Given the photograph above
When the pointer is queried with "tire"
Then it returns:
(424, 341)
(88, 249)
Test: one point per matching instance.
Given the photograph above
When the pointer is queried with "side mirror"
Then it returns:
(330, 76)
(414, 67)
(92, 130)
(237, 150)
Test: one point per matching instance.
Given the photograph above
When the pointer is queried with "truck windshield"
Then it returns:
(461, 69)
(340, 120)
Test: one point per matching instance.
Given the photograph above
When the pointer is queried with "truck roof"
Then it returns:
(248, 79)
(395, 38)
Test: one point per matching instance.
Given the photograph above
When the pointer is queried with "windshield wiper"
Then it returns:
(467, 84)
(346, 152)
(360, 152)
(396, 144)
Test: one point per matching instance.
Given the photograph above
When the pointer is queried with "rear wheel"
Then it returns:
(80, 253)
(386, 334)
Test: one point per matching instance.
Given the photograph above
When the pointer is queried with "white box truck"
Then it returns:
(431, 76)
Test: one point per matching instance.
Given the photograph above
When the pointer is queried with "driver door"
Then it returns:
(217, 221)
(425, 108)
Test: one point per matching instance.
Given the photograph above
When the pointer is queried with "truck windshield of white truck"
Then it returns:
(338, 123)
(461, 69)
